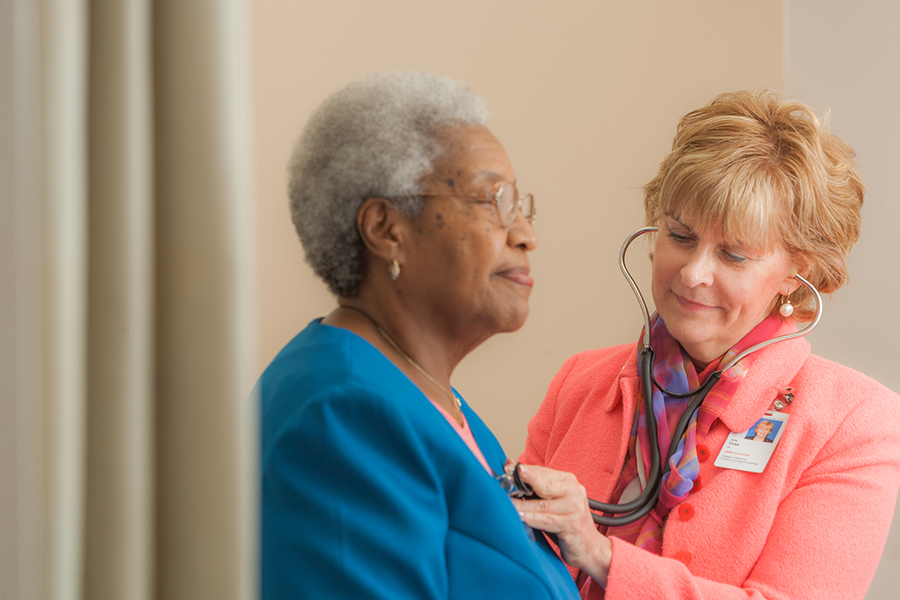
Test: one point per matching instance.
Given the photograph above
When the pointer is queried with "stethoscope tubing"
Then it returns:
(653, 478)
(646, 313)
(649, 496)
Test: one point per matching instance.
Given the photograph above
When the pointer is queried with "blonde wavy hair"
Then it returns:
(766, 171)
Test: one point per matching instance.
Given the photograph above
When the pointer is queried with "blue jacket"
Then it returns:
(368, 492)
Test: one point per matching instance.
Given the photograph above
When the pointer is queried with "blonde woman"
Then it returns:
(754, 191)
(761, 432)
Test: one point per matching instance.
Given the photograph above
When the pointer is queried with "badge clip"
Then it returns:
(787, 396)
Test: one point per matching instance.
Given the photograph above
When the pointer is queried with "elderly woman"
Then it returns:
(378, 480)
(754, 191)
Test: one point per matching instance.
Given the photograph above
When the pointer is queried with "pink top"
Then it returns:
(465, 432)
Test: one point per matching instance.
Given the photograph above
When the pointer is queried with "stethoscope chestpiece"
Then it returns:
(513, 485)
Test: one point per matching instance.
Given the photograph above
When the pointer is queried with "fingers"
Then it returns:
(549, 483)
(544, 515)
(554, 515)
(562, 503)
(563, 510)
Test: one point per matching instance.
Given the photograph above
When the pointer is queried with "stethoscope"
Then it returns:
(630, 512)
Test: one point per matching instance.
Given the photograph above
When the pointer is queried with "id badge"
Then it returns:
(751, 450)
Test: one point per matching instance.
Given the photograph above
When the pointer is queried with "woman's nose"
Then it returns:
(699, 269)
(522, 233)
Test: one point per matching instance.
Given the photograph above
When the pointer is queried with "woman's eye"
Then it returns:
(734, 258)
(485, 204)
(679, 238)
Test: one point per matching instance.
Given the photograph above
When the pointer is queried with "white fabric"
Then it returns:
(129, 472)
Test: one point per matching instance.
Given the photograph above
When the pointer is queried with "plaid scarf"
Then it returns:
(674, 371)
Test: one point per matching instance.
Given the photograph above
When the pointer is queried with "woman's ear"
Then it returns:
(380, 226)
(801, 267)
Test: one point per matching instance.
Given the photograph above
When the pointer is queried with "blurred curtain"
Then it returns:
(126, 423)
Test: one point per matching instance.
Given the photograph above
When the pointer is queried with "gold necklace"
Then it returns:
(454, 399)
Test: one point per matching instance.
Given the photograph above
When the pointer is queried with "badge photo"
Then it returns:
(751, 450)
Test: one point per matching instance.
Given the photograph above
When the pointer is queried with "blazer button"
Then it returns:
(686, 511)
(684, 557)
(702, 452)
(698, 484)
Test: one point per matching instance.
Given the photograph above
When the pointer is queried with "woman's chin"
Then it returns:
(513, 319)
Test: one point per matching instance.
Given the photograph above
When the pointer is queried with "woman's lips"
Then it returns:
(691, 305)
(518, 275)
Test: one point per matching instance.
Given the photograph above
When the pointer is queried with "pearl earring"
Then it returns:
(786, 309)
(394, 269)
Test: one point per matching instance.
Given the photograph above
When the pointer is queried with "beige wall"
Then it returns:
(584, 95)
(858, 80)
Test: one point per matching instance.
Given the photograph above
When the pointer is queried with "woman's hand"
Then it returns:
(563, 509)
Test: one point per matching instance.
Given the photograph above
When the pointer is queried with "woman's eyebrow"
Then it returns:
(491, 175)
(677, 220)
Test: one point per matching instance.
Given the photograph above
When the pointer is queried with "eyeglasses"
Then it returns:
(505, 197)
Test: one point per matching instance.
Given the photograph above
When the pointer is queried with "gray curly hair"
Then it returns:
(376, 137)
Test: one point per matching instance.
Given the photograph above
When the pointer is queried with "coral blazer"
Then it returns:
(812, 525)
